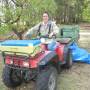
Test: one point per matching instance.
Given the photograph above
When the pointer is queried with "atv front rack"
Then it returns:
(4, 53)
(15, 56)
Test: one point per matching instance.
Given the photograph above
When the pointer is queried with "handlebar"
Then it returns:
(47, 36)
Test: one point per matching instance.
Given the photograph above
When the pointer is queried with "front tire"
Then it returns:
(47, 79)
(10, 78)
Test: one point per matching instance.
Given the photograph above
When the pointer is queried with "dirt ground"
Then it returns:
(76, 78)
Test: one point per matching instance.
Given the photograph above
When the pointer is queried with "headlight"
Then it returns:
(8, 61)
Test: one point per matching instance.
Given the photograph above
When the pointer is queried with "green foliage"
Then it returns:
(86, 14)
(27, 13)
(5, 29)
(72, 11)
(32, 13)
(23, 14)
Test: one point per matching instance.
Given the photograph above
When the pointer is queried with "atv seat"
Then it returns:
(64, 40)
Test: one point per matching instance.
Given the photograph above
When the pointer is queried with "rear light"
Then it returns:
(25, 64)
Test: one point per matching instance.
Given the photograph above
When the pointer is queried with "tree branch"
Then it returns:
(17, 4)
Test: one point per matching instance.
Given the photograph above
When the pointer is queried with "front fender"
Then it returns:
(47, 58)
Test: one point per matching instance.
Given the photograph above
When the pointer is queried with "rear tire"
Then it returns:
(47, 79)
(69, 60)
(10, 78)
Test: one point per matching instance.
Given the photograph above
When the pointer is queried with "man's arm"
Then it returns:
(31, 32)
(55, 29)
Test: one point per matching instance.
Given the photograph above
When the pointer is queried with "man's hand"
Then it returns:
(38, 37)
(51, 35)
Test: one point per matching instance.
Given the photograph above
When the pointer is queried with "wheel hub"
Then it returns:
(52, 82)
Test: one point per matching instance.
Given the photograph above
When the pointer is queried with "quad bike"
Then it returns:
(27, 60)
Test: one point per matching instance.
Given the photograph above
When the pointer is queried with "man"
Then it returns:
(44, 28)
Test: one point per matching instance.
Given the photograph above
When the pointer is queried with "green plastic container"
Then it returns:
(70, 32)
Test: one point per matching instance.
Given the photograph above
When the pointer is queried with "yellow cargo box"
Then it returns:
(20, 46)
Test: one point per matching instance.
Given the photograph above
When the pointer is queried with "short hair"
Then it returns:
(46, 13)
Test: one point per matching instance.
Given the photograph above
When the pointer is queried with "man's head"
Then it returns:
(45, 17)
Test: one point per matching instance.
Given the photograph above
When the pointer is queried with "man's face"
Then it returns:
(45, 17)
